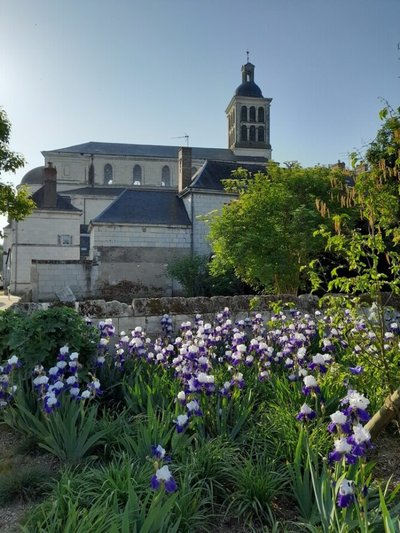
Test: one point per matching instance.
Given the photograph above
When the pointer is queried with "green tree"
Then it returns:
(16, 203)
(193, 273)
(369, 259)
(265, 235)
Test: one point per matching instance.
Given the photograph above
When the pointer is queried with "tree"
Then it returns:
(265, 235)
(193, 274)
(16, 203)
(369, 258)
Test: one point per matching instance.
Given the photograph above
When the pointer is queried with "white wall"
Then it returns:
(36, 237)
(135, 235)
(72, 169)
(204, 203)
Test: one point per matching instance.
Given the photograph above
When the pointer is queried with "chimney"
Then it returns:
(50, 186)
(184, 167)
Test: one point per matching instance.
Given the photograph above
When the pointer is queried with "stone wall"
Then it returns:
(147, 312)
(50, 277)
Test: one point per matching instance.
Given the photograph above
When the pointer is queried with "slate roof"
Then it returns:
(151, 150)
(96, 191)
(34, 177)
(63, 203)
(209, 176)
(138, 206)
(249, 88)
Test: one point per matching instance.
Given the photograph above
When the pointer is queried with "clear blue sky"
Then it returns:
(145, 71)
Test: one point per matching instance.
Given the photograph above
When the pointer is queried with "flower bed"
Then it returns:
(242, 419)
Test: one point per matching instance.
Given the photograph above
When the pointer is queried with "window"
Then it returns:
(252, 114)
(260, 134)
(243, 114)
(260, 114)
(108, 174)
(66, 171)
(252, 136)
(243, 133)
(137, 175)
(166, 176)
(64, 240)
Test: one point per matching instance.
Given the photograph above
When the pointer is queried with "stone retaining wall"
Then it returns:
(147, 312)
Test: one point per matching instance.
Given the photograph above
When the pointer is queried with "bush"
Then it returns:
(37, 337)
(194, 276)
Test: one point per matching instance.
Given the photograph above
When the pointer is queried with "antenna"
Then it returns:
(186, 136)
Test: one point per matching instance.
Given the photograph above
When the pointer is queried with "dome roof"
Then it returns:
(34, 177)
(249, 88)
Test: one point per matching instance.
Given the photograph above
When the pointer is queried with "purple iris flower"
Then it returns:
(181, 422)
(356, 370)
(345, 494)
(306, 413)
(163, 477)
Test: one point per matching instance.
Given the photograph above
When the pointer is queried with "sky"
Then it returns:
(151, 71)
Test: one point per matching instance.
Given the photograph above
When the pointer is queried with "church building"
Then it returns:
(111, 217)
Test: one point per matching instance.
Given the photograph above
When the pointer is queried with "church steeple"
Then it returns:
(248, 73)
(248, 118)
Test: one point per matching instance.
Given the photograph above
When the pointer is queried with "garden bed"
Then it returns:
(223, 425)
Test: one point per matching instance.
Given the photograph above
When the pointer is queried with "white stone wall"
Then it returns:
(36, 237)
(91, 206)
(48, 278)
(204, 203)
(72, 169)
(141, 236)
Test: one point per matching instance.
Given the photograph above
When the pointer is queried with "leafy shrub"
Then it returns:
(194, 276)
(38, 337)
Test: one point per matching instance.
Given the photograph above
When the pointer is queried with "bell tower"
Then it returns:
(249, 118)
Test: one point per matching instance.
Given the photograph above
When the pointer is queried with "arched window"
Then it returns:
(243, 133)
(252, 114)
(261, 134)
(252, 136)
(137, 175)
(260, 114)
(108, 174)
(243, 114)
(166, 176)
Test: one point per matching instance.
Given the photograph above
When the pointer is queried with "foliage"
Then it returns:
(117, 498)
(39, 335)
(368, 256)
(69, 434)
(258, 482)
(194, 275)
(17, 204)
(24, 483)
(208, 424)
(386, 145)
(265, 235)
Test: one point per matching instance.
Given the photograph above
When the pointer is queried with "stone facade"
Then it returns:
(43, 235)
(102, 233)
